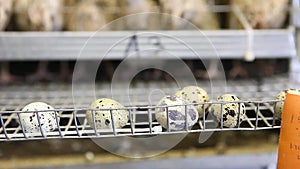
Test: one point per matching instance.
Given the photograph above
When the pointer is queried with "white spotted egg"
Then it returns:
(278, 107)
(103, 118)
(194, 94)
(176, 107)
(30, 119)
(231, 111)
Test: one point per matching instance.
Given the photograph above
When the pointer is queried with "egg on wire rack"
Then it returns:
(230, 110)
(103, 118)
(175, 107)
(47, 118)
(278, 108)
(194, 94)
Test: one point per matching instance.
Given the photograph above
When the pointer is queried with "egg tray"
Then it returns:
(73, 124)
(258, 97)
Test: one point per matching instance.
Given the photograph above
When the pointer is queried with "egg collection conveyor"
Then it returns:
(73, 124)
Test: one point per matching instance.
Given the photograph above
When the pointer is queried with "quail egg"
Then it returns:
(279, 105)
(103, 118)
(230, 110)
(47, 118)
(175, 107)
(194, 94)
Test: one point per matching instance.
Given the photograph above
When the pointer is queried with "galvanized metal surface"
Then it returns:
(110, 45)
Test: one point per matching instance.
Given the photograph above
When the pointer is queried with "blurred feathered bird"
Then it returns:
(136, 21)
(38, 15)
(110, 9)
(265, 14)
(199, 14)
(85, 16)
(196, 12)
(5, 15)
(260, 14)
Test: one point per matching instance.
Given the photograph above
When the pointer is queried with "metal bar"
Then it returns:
(113, 122)
(141, 134)
(204, 116)
(40, 124)
(22, 125)
(186, 118)
(256, 117)
(3, 126)
(94, 121)
(222, 112)
(67, 45)
(274, 115)
(76, 124)
(150, 120)
(168, 120)
(239, 115)
(131, 121)
(58, 125)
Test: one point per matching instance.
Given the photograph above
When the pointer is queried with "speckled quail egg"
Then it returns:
(175, 106)
(230, 110)
(103, 118)
(30, 120)
(194, 94)
(279, 105)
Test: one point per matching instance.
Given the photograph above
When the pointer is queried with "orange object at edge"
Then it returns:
(289, 141)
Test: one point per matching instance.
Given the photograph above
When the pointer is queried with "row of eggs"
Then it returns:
(178, 107)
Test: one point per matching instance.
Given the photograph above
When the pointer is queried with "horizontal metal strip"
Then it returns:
(66, 45)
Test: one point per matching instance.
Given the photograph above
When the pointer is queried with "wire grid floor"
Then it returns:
(257, 97)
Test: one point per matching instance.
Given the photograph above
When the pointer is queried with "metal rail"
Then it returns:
(260, 116)
(110, 45)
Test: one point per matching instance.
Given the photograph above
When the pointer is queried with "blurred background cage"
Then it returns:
(38, 58)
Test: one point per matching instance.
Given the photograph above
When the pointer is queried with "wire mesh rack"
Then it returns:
(259, 116)
(258, 97)
(259, 102)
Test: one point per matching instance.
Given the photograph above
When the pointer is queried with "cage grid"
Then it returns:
(72, 123)
(259, 103)
(258, 98)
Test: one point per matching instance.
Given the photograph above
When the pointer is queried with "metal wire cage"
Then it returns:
(72, 123)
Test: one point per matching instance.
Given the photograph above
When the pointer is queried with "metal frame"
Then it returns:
(26, 46)
(260, 116)
(259, 102)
